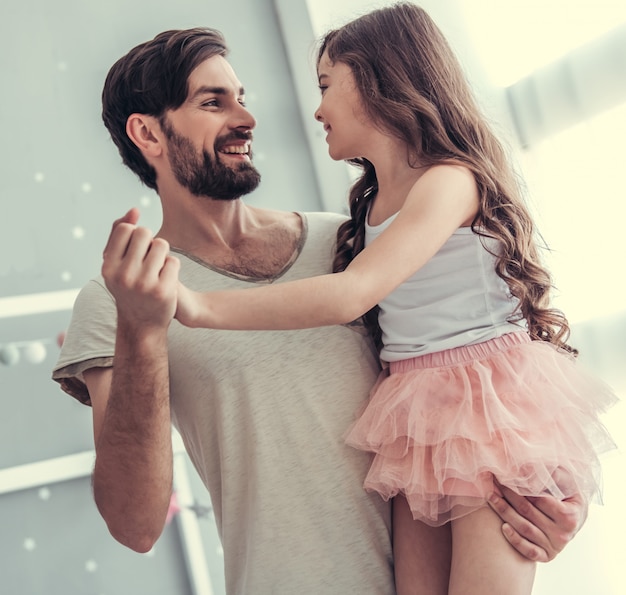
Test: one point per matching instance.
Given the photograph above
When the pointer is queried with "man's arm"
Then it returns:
(132, 479)
(539, 528)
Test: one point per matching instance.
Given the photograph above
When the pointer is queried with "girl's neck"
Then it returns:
(396, 173)
(393, 188)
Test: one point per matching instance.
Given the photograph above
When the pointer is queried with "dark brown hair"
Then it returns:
(151, 79)
(413, 86)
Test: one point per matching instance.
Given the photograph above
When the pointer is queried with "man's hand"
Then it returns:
(140, 273)
(539, 527)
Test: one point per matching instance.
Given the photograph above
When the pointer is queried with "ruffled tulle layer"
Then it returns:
(444, 425)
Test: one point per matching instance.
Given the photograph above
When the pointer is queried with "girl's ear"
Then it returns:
(145, 132)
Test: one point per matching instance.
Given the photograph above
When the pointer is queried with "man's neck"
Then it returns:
(205, 223)
(232, 235)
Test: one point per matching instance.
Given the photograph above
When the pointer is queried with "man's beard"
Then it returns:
(204, 176)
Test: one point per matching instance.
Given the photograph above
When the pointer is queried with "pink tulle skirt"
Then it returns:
(443, 425)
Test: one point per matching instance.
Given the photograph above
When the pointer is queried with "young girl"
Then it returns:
(440, 252)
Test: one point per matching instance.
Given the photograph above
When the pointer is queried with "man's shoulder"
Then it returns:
(321, 225)
(318, 226)
(94, 290)
(273, 216)
(325, 216)
(322, 222)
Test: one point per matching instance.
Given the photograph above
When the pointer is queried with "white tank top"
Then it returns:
(455, 299)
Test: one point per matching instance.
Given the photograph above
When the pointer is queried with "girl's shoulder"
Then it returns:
(449, 173)
(449, 189)
(447, 179)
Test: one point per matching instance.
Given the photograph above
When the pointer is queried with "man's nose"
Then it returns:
(244, 119)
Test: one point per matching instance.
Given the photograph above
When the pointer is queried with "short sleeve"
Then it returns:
(89, 341)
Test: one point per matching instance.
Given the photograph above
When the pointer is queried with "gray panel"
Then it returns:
(55, 543)
(38, 420)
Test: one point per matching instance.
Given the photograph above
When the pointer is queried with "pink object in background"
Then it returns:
(172, 509)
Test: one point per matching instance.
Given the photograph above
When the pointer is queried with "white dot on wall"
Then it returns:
(219, 550)
(66, 276)
(91, 566)
(145, 201)
(86, 187)
(44, 494)
(62, 66)
(29, 544)
(78, 232)
(9, 354)
(35, 352)
(39, 177)
(251, 97)
(260, 157)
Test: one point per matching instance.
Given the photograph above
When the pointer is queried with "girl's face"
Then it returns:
(349, 134)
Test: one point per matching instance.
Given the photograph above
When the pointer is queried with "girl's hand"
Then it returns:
(187, 306)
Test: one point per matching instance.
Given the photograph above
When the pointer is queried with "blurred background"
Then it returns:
(551, 75)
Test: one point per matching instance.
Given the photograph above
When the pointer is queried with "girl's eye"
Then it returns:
(322, 88)
(242, 102)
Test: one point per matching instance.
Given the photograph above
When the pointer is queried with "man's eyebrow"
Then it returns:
(207, 90)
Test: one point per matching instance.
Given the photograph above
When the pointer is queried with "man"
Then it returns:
(261, 413)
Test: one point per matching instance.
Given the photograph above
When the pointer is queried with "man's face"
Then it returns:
(209, 136)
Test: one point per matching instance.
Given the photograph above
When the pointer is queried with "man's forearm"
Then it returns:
(132, 479)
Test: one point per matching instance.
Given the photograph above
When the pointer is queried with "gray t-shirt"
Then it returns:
(262, 415)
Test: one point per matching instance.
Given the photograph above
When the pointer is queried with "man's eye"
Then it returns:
(242, 102)
(210, 103)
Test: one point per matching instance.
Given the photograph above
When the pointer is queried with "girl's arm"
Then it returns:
(441, 201)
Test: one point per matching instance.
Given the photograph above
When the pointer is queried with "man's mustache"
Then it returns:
(234, 135)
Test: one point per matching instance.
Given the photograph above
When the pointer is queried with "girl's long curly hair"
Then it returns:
(413, 86)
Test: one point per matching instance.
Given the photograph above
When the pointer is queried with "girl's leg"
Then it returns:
(421, 553)
(483, 561)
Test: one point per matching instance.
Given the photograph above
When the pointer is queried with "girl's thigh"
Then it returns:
(421, 553)
(483, 561)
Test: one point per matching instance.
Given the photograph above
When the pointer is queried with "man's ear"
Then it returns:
(145, 132)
